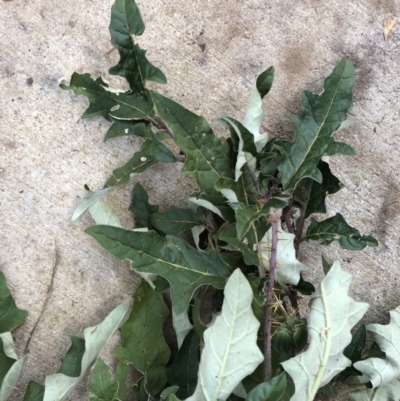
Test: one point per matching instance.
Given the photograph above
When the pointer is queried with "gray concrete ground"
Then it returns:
(211, 52)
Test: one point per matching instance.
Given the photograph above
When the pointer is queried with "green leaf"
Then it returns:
(128, 127)
(322, 115)
(175, 220)
(246, 215)
(199, 326)
(387, 392)
(328, 390)
(254, 113)
(141, 208)
(34, 392)
(121, 373)
(230, 352)
(10, 315)
(126, 21)
(327, 263)
(8, 344)
(58, 386)
(182, 326)
(304, 287)
(332, 315)
(184, 369)
(207, 158)
(336, 229)
(105, 101)
(144, 344)
(101, 212)
(272, 390)
(380, 371)
(167, 392)
(101, 382)
(172, 258)
(151, 152)
(288, 268)
(71, 365)
(313, 194)
(9, 372)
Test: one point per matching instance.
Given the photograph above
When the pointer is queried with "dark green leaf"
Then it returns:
(336, 229)
(328, 390)
(121, 373)
(172, 258)
(326, 263)
(141, 208)
(34, 392)
(374, 352)
(198, 325)
(207, 158)
(304, 287)
(103, 101)
(101, 382)
(264, 81)
(183, 371)
(10, 315)
(5, 363)
(161, 284)
(72, 363)
(272, 390)
(123, 128)
(133, 64)
(144, 343)
(151, 152)
(175, 220)
(322, 115)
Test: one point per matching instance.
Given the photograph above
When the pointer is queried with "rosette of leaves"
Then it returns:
(238, 239)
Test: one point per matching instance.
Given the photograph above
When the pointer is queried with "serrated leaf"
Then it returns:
(34, 392)
(336, 229)
(184, 369)
(322, 115)
(386, 392)
(58, 386)
(313, 194)
(101, 382)
(182, 326)
(9, 373)
(377, 370)
(207, 157)
(126, 22)
(332, 315)
(288, 268)
(144, 344)
(141, 208)
(254, 112)
(124, 128)
(175, 220)
(71, 364)
(105, 101)
(271, 390)
(172, 258)
(151, 152)
(246, 215)
(230, 352)
(10, 315)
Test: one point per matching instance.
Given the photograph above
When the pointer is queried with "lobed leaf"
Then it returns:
(322, 115)
(271, 390)
(34, 392)
(144, 344)
(182, 326)
(127, 22)
(71, 364)
(332, 315)
(386, 392)
(141, 208)
(172, 258)
(102, 384)
(336, 229)
(126, 127)
(230, 352)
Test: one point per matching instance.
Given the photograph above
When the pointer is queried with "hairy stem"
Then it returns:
(275, 218)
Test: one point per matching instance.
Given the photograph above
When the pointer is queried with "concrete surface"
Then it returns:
(211, 52)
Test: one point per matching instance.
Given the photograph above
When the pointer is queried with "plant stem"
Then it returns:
(275, 219)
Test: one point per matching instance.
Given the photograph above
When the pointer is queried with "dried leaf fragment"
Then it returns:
(388, 24)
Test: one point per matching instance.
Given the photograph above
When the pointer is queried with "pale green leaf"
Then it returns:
(101, 382)
(254, 113)
(322, 115)
(206, 204)
(144, 344)
(167, 392)
(379, 371)
(58, 386)
(182, 326)
(230, 352)
(288, 268)
(332, 315)
(336, 229)
(386, 392)
(8, 345)
(172, 258)
(10, 379)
